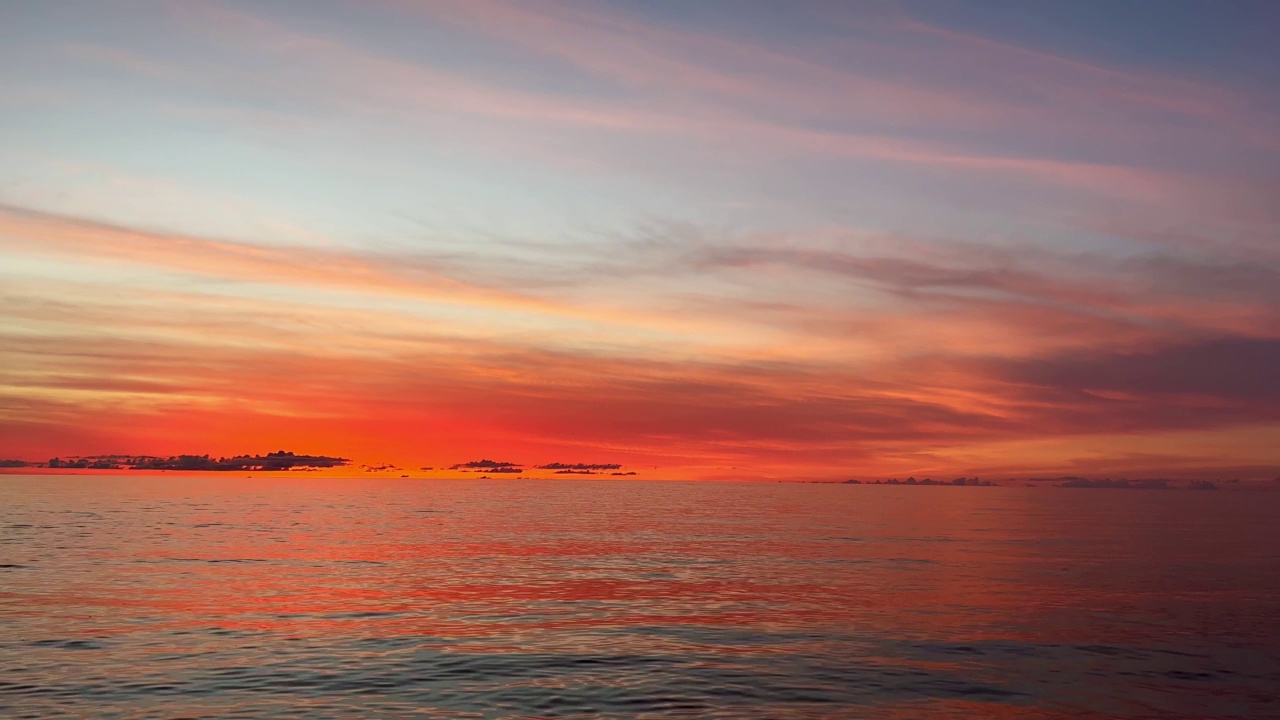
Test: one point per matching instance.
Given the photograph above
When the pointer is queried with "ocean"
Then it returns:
(305, 597)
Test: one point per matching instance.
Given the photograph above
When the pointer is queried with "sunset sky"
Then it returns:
(738, 239)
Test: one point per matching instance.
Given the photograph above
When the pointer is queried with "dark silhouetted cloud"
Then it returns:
(281, 460)
(382, 467)
(485, 464)
(580, 466)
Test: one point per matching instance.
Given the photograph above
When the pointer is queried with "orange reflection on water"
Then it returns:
(968, 602)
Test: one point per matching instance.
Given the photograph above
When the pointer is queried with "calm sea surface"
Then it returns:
(169, 597)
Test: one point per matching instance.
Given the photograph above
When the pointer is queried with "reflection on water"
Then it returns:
(218, 597)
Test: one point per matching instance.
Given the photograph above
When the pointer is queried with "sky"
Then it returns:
(729, 240)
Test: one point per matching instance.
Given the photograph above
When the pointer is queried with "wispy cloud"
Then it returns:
(690, 89)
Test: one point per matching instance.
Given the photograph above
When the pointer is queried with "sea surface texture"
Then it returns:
(178, 597)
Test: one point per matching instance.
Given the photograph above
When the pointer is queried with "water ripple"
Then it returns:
(148, 598)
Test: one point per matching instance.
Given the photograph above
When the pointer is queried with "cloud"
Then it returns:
(378, 274)
(281, 460)
(380, 467)
(1240, 370)
(1125, 484)
(698, 65)
(676, 414)
(724, 97)
(580, 466)
(21, 227)
(977, 344)
(954, 294)
(1112, 93)
(1101, 131)
(489, 466)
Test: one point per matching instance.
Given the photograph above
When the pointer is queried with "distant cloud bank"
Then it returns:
(281, 460)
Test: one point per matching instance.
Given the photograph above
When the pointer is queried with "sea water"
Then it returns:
(231, 597)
